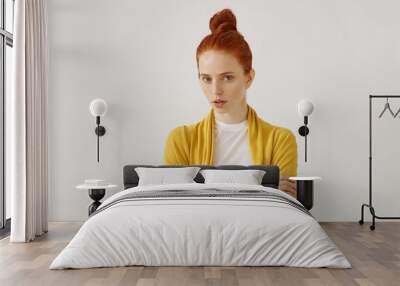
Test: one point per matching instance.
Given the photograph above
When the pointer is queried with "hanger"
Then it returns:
(387, 106)
(398, 111)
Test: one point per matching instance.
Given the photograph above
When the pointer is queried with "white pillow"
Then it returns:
(163, 176)
(249, 177)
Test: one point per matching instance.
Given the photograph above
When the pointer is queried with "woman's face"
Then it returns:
(223, 80)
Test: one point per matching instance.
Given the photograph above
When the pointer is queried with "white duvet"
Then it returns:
(199, 231)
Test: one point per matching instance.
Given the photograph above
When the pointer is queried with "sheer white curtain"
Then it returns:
(27, 119)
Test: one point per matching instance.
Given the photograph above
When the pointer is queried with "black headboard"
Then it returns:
(270, 179)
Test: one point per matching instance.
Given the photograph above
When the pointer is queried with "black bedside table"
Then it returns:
(305, 190)
(96, 193)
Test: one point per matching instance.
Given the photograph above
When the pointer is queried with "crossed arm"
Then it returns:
(287, 186)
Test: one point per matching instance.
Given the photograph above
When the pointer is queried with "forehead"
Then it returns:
(217, 62)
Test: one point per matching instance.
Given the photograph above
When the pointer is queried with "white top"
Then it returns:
(304, 178)
(232, 144)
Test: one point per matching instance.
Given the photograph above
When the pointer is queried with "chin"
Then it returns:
(220, 110)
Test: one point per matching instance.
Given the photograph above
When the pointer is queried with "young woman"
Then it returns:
(232, 132)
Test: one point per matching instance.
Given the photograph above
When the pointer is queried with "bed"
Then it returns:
(201, 224)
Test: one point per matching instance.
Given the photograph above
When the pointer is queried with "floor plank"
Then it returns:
(374, 255)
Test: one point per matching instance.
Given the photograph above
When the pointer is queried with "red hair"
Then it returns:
(225, 37)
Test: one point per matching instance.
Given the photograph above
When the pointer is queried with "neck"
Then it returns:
(235, 116)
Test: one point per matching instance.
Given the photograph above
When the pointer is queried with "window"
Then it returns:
(6, 60)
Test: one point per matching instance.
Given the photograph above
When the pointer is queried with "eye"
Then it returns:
(206, 79)
(228, 77)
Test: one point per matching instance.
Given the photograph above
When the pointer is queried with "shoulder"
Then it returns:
(177, 131)
(182, 129)
(177, 134)
(283, 133)
(183, 132)
(278, 133)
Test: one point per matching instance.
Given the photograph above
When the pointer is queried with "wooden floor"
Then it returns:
(374, 255)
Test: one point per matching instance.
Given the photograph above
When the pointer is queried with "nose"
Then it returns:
(216, 87)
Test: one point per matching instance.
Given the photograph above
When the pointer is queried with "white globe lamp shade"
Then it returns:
(305, 107)
(98, 107)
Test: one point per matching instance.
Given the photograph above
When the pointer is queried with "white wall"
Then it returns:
(140, 57)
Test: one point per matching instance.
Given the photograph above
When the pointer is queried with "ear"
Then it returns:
(250, 78)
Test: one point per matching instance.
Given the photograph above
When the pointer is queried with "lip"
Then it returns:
(219, 103)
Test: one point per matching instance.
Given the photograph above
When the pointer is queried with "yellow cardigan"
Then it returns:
(270, 145)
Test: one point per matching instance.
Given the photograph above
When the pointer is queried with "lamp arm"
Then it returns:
(98, 124)
(100, 131)
(305, 146)
(305, 108)
(98, 108)
(97, 147)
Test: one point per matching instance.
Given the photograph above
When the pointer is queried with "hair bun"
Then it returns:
(223, 21)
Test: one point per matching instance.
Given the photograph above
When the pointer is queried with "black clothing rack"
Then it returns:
(370, 206)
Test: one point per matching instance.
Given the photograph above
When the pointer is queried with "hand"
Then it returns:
(287, 186)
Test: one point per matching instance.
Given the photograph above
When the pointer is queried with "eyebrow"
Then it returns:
(224, 73)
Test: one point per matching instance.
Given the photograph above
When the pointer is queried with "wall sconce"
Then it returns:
(98, 108)
(305, 108)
